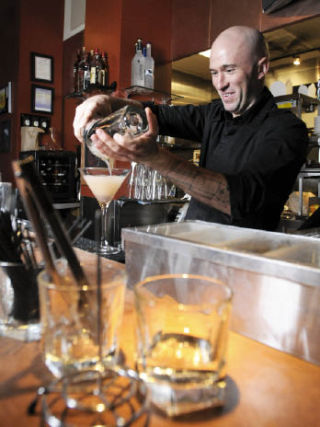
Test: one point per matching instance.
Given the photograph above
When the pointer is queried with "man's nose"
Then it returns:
(221, 81)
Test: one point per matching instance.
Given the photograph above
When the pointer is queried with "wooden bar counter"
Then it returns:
(266, 388)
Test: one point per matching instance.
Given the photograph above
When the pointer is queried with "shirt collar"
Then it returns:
(252, 112)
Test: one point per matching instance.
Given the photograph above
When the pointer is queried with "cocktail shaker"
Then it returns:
(130, 119)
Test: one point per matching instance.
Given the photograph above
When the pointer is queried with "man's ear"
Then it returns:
(262, 67)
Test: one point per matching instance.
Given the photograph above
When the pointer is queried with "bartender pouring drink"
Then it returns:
(251, 151)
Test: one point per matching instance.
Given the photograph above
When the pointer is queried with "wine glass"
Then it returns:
(104, 184)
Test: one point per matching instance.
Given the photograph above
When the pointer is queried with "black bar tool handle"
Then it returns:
(25, 169)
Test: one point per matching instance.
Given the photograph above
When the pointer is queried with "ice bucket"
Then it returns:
(275, 277)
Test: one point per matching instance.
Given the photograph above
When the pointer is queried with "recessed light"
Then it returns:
(296, 60)
(205, 53)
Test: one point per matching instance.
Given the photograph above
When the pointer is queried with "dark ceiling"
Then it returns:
(302, 38)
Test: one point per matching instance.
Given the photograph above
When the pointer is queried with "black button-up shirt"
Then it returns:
(259, 152)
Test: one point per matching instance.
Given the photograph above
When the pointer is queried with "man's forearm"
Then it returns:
(208, 187)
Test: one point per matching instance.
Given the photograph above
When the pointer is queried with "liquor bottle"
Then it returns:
(149, 68)
(76, 72)
(81, 70)
(104, 70)
(137, 66)
(84, 70)
(86, 74)
(95, 66)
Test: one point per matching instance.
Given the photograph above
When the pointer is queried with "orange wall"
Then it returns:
(9, 44)
(190, 27)
(41, 31)
(70, 47)
(38, 28)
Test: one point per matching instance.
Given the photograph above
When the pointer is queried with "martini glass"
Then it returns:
(104, 184)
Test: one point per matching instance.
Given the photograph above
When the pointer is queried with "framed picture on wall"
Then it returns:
(42, 99)
(5, 135)
(5, 99)
(41, 68)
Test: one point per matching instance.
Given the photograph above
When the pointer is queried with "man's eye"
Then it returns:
(213, 73)
(230, 70)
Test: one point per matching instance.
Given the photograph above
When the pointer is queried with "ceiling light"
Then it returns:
(205, 53)
(296, 60)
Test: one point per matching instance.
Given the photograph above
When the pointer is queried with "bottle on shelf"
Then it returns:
(81, 69)
(137, 66)
(91, 71)
(76, 87)
(86, 74)
(84, 70)
(95, 66)
(104, 70)
(149, 68)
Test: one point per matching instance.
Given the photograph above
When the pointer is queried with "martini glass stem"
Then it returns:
(104, 224)
(105, 247)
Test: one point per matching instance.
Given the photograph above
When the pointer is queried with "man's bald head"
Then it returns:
(247, 39)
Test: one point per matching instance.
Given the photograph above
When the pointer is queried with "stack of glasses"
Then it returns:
(148, 184)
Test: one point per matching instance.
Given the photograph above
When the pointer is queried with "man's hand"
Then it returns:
(95, 107)
(142, 148)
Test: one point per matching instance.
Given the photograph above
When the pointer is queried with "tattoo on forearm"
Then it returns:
(206, 186)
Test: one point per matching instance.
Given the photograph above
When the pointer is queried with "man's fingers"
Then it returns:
(107, 145)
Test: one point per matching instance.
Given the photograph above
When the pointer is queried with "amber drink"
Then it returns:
(182, 330)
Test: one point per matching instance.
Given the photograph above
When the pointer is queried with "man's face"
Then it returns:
(234, 75)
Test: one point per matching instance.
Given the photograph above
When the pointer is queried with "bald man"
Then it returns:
(251, 152)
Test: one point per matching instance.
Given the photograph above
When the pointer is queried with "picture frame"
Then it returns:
(5, 99)
(5, 136)
(42, 98)
(42, 67)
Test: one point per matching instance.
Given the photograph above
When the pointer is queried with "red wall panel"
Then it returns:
(190, 27)
(9, 45)
(69, 105)
(33, 26)
(41, 31)
(227, 13)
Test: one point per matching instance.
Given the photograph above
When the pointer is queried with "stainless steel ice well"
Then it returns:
(275, 277)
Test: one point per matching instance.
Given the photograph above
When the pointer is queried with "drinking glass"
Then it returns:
(19, 305)
(104, 184)
(80, 324)
(182, 327)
